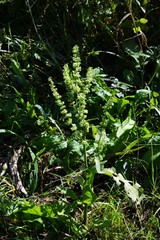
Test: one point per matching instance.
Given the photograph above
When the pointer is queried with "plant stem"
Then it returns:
(84, 152)
(86, 167)
(85, 219)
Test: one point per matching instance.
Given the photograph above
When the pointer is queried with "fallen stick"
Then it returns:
(13, 165)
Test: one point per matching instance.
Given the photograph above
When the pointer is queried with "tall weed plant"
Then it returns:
(94, 138)
(102, 126)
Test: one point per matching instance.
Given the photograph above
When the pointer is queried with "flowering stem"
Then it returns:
(84, 151)
(86, 167)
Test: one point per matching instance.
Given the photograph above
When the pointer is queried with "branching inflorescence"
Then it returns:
(77, 90)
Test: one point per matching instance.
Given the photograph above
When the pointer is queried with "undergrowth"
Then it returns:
(90, 164)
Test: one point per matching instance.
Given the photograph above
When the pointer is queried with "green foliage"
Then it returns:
(84, 131)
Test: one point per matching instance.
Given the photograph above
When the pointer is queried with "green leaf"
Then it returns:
(103, 93)
(31, 211)
(108, 171)
(143, 20)
(70, 193)
(35, 210)
(94, 53)
(157, 110)
(90, 177)
(34, 173)
(19, 95)
(98, 165)
(142, 95)
(152, 156)
(122, 103)
(88, 196)
(7, 131)
(104, 223)
(101, 170)
(131, 190)
(48, 211)
(126, 125)
(16, 68)
(132, 144)
(137, 29)
(33, 156)
(94, 130)
(42, 112)
(131, 47)
(74, 147)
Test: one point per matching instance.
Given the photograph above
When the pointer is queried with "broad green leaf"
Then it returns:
(143, 20)
(122, 102)
(155, 94)
(100, 144)
(90, 177)
(62, 145)
(88, 195)
(126, 125)
(35, 210)
(30, 212)
(131, 190)
(74, 147)
(48, 211)
(101, 137)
